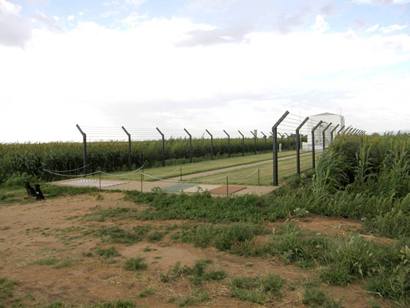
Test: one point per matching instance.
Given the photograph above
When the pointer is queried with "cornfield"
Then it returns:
(32, 158)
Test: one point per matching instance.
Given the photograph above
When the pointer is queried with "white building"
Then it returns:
(326, 118)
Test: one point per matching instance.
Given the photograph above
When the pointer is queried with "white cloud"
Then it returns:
(393, 28)
(382, 1)
(386, 29)
(141, 76)
(9, 8)
(321, 24)
(14, 30)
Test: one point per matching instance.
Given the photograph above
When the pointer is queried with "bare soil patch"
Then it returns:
(37, 233)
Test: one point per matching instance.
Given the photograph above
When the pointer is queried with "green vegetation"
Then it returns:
(314, 297)
(107, 253)
(197, 274)
(256, 289)
(135, 264)
(362, 178)
(155, 236)
(260, 174)
(112, 213)
(365, 178)
(196, 297)
(33, 158)
(116, 304)
(230, 237)
(118, 235)
(54, 262)
(201, 166)
(6, 290)
(146, 292)
(13, 190)
(303, 248)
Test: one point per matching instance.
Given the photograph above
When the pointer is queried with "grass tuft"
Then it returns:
(135, 264)
(256, 289)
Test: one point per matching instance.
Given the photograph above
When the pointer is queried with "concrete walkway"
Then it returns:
(169, 186)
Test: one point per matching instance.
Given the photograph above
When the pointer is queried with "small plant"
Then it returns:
(146, 292)
(197, 274)
(111, 213)
(354, 258)
(298, 246)
(50, 261)
(197, 297)
(135, 264)
(116, 304)
(336, 275)
(6, 289)
(54, 262)
(222, 237)
(118, 235)
(316, 298)
(256, 289)
(173, 274)
(155, 236)
(107, 253)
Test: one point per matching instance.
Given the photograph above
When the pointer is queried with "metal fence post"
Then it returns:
(84, 147)
(229, 143)
(298, 144)
(340, 130)
(275, 175)
(332, 133)
(129, 147)
(255, 137)
(313, 144)
(324, 135)
(163, 146)
(212, 143)
(243, 142)
(264, 137)
(190, 145)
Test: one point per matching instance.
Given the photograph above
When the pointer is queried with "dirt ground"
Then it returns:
(56, 229)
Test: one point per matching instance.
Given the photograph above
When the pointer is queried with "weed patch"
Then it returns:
(256, 289)
(222, 237)
(197, 274)
(107, 253)
(118, 235)
(6, 290)
(300, 247)
(314, 297)
(146, 292)
(195, 298)
(135, 264)
(54, 262)
(112, 214)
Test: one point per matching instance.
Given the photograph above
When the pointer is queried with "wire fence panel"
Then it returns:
(253, 157)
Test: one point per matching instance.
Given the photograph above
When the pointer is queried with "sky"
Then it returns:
(199, 64)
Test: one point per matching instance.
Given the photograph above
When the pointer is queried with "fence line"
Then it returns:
(289, 131)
